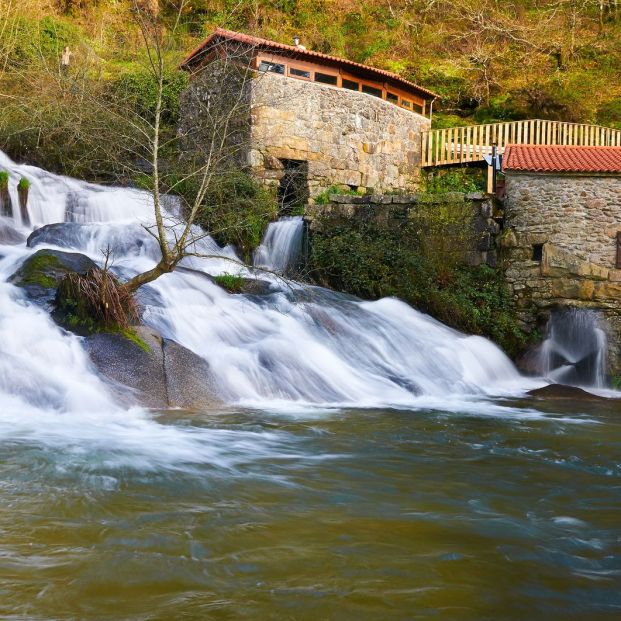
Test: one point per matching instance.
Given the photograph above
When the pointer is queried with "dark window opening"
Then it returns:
(418, 108)
(301, 73)
(370, 90)
(351, 85)
(537, 252)
(273, 67)
(392, 98)
(325, 78)
(406, 104)
(293, 188)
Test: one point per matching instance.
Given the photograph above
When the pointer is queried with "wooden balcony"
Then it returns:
(460, 145)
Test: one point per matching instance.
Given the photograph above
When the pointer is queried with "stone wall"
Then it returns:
(574, 221)
(344, 137)
(470, 237)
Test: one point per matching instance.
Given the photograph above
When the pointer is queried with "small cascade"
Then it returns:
(282, 245)
(575, 349)
(292, 344)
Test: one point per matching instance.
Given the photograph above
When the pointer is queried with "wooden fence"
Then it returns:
(458, 145)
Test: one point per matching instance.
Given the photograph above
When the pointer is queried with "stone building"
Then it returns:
(312, 120)
(561, 246)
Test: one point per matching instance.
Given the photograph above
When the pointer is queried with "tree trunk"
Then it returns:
(163, 267)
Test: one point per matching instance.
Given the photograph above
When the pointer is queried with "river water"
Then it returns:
(339, 514)
(371, 463)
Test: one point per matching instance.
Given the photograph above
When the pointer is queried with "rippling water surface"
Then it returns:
(367, 514)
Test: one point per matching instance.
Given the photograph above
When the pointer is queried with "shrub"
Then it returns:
(236, 210)
(374, 261)
(95, 301)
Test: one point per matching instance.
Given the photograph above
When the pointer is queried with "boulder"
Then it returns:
(564, 392)
(152, 371)
(10, 236)
(41, 272)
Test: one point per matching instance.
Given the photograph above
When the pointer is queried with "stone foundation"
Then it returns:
(472, 233)
(559, 248)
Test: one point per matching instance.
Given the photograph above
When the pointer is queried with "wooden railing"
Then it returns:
(458, 145)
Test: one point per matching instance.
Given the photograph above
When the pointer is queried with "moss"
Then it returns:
(35, 271)
(324, 197)
(131, 335)
(23, 184)
(4, 179)
(231, 282)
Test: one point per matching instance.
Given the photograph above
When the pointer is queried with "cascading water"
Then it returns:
(297, 344)
(282, 245)
(575, 349)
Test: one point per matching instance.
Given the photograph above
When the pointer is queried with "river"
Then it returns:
(370, 463)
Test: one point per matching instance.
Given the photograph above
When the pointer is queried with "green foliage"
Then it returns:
(442, 180)
(139, 88)
(4, 179)
(23, 185)
(32, 40)
(324, 197)
(419, 262)
(233, 283)
(236, 210)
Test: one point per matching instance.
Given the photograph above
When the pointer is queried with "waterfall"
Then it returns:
(294, 344)
(281, 246)
(575, 349)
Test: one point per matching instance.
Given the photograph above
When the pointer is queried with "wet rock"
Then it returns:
(41, 272)
(561, 391)
(148, 370)
(10, 236)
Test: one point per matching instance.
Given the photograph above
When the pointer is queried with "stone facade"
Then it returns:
(559, 247)
(470, 236)
(340, 136)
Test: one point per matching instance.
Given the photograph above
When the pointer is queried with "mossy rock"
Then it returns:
(41, 272)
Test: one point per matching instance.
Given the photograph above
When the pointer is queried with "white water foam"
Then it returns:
(296, 346)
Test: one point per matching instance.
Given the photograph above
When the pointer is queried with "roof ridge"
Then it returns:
(242, 37)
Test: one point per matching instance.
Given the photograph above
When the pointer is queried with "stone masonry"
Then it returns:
(559, 247)
(474, 217)
(342, 137)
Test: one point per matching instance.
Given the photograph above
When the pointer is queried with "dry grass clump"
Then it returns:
(96, 300)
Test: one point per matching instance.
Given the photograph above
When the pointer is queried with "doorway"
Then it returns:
(293, 192)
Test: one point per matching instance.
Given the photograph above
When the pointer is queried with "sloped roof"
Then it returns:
(220, 34)
(562, 158)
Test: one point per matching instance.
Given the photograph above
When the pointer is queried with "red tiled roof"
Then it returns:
(557, 158)
(292, 50)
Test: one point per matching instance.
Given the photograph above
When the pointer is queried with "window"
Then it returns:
(370, 90)
(537, 252)
(351, 85)
(418, 108)
(299, 73)
(325, 78)
(406, 103)
(392, 98)
(273, 67)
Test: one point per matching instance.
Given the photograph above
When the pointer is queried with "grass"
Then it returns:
(233, 283)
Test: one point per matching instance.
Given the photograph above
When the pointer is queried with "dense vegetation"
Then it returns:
(488, 59)
(421, 261)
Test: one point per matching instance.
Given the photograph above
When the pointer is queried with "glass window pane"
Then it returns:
(325, 78)
(299, 72)
(351, 85)
(273, 67)
(392, 98)
(370, 90)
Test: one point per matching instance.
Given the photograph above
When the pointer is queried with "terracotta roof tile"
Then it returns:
(265, 44)
(557, 158)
